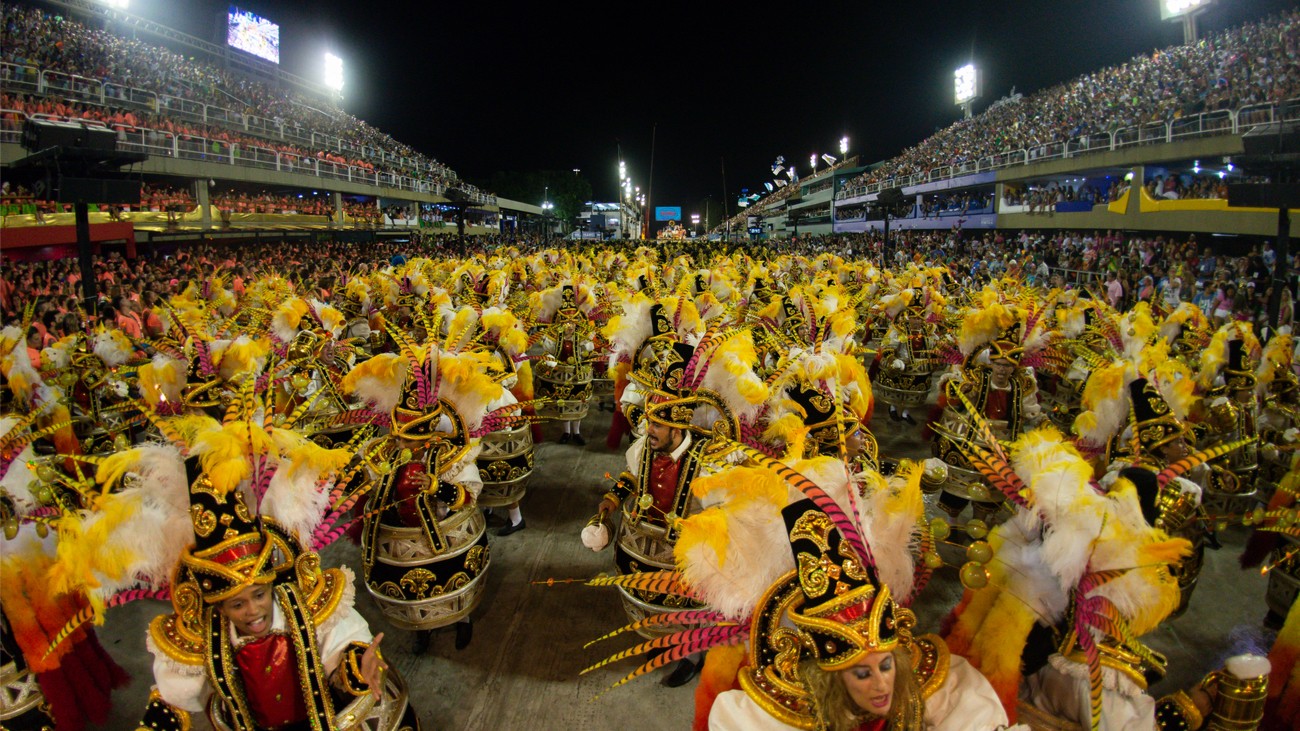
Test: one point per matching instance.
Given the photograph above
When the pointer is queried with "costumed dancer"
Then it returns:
(424, 541)
(704, 392)
(41, 687)
(997, 381)
(222, 521)
(806, 572)
(506, 460)
(1077, 576)
(564, 374)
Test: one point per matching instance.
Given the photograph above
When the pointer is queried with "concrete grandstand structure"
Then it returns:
(201, 142)
(1155, 162)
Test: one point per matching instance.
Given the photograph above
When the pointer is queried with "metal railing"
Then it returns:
(26, 79)
(206, 149)
(1205, 124)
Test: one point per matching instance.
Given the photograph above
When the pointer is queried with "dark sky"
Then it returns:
(488, 86)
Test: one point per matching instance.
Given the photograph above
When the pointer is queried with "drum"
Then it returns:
(644, 546)
(505, 464)
(905, 388)
(418, 589)
(565, 390)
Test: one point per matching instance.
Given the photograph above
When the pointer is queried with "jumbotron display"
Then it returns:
(253, 34)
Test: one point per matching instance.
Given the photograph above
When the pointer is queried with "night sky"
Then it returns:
(487, 86)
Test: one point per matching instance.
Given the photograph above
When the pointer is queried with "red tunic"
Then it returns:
(411, 481)
(663, 482)
(270, 673)
(995, 405)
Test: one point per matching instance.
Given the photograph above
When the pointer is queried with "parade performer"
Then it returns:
(222, 520)
(564, 374)
(424, 542)
(704, 392)
(996, 380)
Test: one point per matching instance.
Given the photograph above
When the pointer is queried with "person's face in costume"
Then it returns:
(870, 683)
(661, 438)
(249, 610)
(855, 444)
(1002, 370)
(1174, 451)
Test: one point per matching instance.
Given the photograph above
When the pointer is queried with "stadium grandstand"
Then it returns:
(1066, 157)
(225, 148)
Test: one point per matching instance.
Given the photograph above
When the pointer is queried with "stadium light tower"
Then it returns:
(966, 87)
(844, 146)
(334, 73)
(812, 161)
(1184, 11)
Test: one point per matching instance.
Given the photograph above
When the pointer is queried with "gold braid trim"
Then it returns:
(349, 672)
(1184, 705)
(159, 715)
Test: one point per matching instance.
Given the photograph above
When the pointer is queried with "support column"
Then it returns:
(1135, 191)
(203, 195)
(999, 189)
(338, 207)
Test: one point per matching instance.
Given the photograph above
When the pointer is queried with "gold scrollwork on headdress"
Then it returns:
(204, 520)
(814, 526)
(815, 574)
(852, 567)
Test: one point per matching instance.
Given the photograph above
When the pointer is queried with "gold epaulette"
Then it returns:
(175, 640)
(326, 594)
(930, 662)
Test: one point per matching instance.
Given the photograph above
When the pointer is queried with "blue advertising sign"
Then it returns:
(668, 213)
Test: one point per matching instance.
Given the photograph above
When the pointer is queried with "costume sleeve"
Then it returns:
(634, 456)
(334, 641)
(180, 685)
(965, 701)
(734, 710)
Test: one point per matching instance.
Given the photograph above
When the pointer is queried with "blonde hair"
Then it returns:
(836, 710)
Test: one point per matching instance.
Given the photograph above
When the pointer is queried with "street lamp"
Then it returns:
(547, 207)
(695, 222)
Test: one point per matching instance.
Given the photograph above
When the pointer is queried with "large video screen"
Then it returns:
(668, 213)
(253, 34)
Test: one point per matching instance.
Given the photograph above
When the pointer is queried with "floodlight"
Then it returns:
(812, 161)
(115, 4)
(333, 72)
(1178, 8)
(966, 84)
(844, 145)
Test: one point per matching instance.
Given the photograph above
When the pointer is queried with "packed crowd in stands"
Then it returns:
(1043, 197)
(37, 39)
(152, 129)
(162, 198)
(1175, 187)
(1253, 64)
(955, 203)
